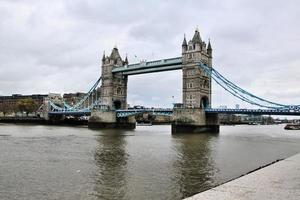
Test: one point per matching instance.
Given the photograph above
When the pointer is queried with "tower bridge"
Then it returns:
(109, 109)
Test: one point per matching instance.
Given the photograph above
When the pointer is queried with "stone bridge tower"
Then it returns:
(114, 85)
(191, 117)
(113, 94)
(196, 84)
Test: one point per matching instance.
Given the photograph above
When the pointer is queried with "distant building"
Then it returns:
(72, 98)
(230, 119)
(245, 119)
(11, 101)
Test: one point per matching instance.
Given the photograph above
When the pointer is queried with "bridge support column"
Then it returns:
(108, 119)
(194, 120)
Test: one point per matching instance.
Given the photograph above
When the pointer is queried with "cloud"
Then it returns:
(56, 46)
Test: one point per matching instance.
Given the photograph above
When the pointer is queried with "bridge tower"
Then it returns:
(196, 84)
(191, 117)
(114, 86)
(113, 95)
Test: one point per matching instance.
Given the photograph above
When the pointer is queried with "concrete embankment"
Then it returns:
(280, 180)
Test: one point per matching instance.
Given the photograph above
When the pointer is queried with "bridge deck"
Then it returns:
(151, 66)
(252, 111)
(70, 113)
(169, 111)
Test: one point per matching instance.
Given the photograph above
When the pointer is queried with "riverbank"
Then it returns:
(276, 181)
(29, 120)
(41, 121)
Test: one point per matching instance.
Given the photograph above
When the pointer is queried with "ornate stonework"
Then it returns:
(196, 85)
(114, 86)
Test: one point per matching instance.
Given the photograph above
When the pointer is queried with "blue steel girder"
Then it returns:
(150, 67)
(70, 113)
(253, 111)
(133, 112)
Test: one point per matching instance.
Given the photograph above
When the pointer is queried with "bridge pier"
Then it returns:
(108, 119)
(194, 120)
(55, 119)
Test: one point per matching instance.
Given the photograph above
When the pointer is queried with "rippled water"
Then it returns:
(52, 162)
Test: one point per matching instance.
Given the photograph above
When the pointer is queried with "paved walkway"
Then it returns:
(277, 181)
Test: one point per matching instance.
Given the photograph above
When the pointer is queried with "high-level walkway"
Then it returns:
(277, 181)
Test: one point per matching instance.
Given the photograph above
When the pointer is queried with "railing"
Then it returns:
(253, 111)
(155, 111)
(149, 64)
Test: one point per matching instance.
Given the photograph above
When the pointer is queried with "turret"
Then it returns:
(103, 57)
(126, 61)
(184, 44)
(197, 41)
(209, 49)
(115, 57)
(196, 37)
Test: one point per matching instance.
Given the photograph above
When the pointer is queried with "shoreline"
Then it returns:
(40, 121)
(276, 180)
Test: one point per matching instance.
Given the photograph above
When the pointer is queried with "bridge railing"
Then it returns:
(145, 64)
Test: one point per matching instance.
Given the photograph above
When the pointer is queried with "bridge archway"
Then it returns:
(117, 104)
(204, 103)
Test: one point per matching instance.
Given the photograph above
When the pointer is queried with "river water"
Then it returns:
(55, 162)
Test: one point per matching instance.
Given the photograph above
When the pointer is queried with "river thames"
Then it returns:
(56, 162)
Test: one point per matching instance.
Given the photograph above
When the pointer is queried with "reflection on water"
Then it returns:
(194, 166)
(111, 159)
(43, 162)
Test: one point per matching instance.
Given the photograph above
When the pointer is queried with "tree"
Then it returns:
(26, 105)
(5, 108)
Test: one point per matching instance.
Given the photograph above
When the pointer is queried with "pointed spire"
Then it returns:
(209, 49)
(126, 60)
(197, 38)
(103, 57)
(184, 43)
(209, 45)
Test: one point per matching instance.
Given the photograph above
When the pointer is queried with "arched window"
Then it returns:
(204, 103)
(205, 83)
(119, 90)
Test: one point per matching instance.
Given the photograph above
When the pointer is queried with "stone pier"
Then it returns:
(192, 120)
(108, 119)
(190, 117)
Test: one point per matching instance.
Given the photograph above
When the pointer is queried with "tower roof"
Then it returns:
(103, 57)
(126, 60)
(115, 53)
(184, 43)
(209, 45)
(196, 38)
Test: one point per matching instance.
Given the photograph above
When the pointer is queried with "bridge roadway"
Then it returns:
(169, 111)
(150, 67)
(252, 111)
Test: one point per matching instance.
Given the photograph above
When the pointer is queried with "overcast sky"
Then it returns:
(56, 46)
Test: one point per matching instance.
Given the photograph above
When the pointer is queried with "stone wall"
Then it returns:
(195, 116)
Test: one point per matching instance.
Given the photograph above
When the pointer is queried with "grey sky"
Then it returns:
(56, 46)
